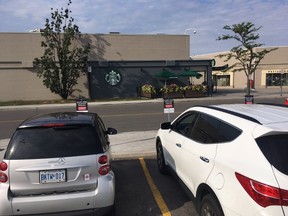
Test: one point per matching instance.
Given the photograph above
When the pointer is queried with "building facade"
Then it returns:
(122, 79)
(271, 72)
(18, 76)
(119, 64)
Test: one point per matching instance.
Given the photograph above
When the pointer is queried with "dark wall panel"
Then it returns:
(123, 79)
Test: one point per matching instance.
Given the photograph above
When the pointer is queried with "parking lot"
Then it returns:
(140, 188)
(137, 195)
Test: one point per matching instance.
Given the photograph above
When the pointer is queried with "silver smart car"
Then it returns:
(58, 164)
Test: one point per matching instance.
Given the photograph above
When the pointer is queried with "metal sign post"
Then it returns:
(168, 107)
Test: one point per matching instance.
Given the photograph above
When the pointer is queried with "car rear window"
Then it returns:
(275, 149)
(50, 142)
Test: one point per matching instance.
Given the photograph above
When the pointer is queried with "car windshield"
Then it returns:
(275, 149)
(51, 142)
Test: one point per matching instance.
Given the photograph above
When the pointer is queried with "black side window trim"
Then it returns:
(103, 136)
(173, 127)
(237, 131)
(220, 138)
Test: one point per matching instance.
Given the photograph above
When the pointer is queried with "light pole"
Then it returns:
(190, 29)
(194, 32)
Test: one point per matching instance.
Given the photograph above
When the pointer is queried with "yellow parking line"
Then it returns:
(159, 200)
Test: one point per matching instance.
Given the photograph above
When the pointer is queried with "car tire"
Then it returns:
(160, 159)
(210, 206)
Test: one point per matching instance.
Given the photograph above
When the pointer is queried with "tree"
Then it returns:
(247, 59)
(64, 58)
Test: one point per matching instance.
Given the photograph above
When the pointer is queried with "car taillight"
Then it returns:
(3, 166)
(105, 168)
(3, 176)
(263, 194)
(103, 159)
(284, 196)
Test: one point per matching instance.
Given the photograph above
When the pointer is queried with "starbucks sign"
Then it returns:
(113, 77)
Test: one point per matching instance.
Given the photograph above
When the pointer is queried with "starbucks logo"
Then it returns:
(113, 77)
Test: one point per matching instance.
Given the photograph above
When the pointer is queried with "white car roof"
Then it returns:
(264, 114)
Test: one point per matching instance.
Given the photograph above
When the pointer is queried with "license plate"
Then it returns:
(52, 176)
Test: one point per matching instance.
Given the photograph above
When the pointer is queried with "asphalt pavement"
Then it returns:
(130, 145)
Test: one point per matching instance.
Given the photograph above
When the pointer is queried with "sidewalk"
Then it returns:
(274, 91)
(222, 93)
(131, 145)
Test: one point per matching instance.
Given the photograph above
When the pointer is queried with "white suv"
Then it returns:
(58, 164)
(232, 158)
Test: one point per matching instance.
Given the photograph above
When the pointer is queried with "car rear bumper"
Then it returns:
(90, 212)
(81, 203)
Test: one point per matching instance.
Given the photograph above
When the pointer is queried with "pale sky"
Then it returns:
(206, 17)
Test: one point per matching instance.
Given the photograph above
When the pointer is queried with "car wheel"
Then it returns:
(210, 207)
(160, 159)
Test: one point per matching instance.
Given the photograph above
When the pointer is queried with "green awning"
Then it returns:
(165, 74)
(190, 73)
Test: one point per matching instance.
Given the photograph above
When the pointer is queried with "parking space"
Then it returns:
(136, 195)
(142, 190)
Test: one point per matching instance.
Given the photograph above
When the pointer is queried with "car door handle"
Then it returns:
(178, 145)
(206, 160)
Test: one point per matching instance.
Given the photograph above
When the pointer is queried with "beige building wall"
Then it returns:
(117, 47)
(19, 81)
(23, 84)
(274, 62)
(18, 78)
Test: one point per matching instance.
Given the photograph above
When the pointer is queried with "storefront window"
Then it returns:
(274, 79)
(223, 80)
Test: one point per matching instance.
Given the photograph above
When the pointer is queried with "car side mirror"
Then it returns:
(111, 131)
(166, 126)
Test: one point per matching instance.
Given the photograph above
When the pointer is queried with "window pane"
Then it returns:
(223, 80)
(185, 124)
(274, 79)
(32, 143)
(227, 132)
(205, 129)
(275, 149)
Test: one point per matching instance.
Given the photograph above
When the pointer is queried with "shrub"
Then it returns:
(148, 88)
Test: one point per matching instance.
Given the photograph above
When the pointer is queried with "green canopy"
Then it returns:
(190, 73)
(165, 74)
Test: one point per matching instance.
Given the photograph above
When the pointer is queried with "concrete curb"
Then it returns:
(222, 93)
